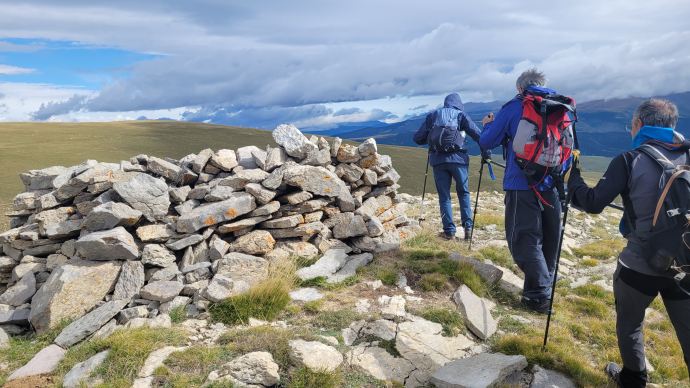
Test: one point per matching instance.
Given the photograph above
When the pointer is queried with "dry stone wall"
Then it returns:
(109, 244)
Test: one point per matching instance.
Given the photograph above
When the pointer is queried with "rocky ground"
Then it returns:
(337, 288)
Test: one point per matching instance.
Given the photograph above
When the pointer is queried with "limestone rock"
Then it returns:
(146, 194)
(510, 282)
(327, 265)
(480, 371)
(245, 158)
(257, 242)
(110, 215)
(162, 291)
(71, 290)
(298, 248)
(476, 313)
(262, 194)
(381, 328)
(241, 267)
(222, 288)
(489, 272)
(41, 179)
(292, 140)
(157, 358)
(266, 209)
(130, 281)
(158, 255)
(275, 157)
(392, 307)
(316, 180)
(242, 224)
(315, 355)
(155, 233)
(21, 292)
(367, 148)
(379, 364)
(219, 193)
(283, 222)
(216, 212)
(83, 370)
(241, 179)
(544, 378)
(350, 267)
(256, 368)
(348, 154)
(114, 244)
(89, 323)
(183, 243)
(390, 178)
(306, 294)
(225, 160)
(346, 225)
(64, 229)
(44, 361)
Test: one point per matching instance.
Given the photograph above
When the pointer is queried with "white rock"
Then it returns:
(156, 359)
(315, 355)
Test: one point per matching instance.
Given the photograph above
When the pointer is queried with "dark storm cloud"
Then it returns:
(51, 109)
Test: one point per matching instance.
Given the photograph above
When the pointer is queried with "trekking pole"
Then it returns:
(476, 201)
(555, 274)
(421, 209)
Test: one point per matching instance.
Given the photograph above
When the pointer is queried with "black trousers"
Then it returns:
(533, 235)
(634, 292)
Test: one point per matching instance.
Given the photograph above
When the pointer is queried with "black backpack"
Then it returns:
(445, 135)
(667, 250)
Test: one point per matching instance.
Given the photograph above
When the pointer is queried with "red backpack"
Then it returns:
(545, 137)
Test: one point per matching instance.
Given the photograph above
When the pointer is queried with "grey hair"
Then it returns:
(531, 77)
(657, 112)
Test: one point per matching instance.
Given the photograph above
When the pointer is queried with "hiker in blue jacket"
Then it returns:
(532, 229)
(451, 165)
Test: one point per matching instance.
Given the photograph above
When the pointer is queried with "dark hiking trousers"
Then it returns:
(533, 235)
(634, 292)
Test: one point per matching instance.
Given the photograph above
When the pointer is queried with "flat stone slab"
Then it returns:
(82, 371)
(216, 212)
(89, 323)
(114, 244)
(476, 313)
(146, 194)
(306, 294)
(481, 371)
(379, 364)
(332, 260)
(44, 361)
(544, 378)
(15, 317)
(315, 355)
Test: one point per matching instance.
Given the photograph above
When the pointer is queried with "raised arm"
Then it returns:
(594, 199)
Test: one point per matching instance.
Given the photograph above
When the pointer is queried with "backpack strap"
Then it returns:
(665, 193)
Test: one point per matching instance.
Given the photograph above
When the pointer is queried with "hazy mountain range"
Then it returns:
(601, 126)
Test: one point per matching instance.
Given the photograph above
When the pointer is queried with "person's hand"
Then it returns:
(486, 154)
(489, 118)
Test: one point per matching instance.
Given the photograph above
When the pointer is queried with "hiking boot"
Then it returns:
(468, 233)
(613, 371)
(540, 306)
(446, 236)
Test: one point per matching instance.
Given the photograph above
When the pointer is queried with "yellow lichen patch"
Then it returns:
(326, 177)
(327, 191)
(209, 221)
(232, 213)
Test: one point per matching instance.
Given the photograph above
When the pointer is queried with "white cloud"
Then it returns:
(14, 70)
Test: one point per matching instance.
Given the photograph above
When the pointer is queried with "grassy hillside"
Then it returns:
(27, 146)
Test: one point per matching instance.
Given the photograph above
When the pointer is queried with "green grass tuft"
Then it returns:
(498, 255)
(423, 254)
(178, 314)
(263, 301)
(589, 263)
(387, 276)
(433, 281)
(451, 320)
(314, 306)
(601, 249)
(335, 320)
(307, 378)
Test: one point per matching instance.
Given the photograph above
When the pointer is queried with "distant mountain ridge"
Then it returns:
(601, 126)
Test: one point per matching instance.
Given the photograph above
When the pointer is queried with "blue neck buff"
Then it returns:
(661, 134)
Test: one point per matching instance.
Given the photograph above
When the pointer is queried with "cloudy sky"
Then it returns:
(317, 63)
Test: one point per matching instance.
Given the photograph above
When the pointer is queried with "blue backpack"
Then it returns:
(445, 136)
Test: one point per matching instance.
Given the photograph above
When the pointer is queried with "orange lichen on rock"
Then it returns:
(232, 213)
(209, 221)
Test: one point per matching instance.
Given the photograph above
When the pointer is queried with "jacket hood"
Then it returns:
(541, 90)
(453, 101)
(666, 137)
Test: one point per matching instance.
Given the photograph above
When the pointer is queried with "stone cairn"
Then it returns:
(121, 245)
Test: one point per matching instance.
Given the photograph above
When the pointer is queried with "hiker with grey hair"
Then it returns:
(637, 281)
(532, 229)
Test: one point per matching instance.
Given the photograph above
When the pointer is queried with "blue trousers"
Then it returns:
(444, 174)
(533, 235)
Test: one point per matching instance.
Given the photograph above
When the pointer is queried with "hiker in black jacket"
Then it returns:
(635, 176)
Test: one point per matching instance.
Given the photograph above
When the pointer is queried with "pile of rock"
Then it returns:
(124, 244)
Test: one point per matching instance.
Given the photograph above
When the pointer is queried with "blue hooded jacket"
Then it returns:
(506, 124)
(465, 123)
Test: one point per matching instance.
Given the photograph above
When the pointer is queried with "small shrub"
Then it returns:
(314, 306)
(387, 276)
(178, 314)
(335, 320)
(264, 301)
(433, 281)
(451, 320)
(306, 378)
